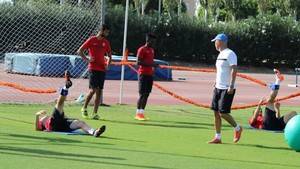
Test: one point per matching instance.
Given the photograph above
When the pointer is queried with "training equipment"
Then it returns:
(297, 72)
(292, 133)
(80, 98)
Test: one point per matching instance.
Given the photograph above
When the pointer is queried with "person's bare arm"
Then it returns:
(80, 52)
(277, 109)
(37, 117)
(232, 79)
(257, 110)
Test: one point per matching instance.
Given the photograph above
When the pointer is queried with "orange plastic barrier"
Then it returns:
(26, 89)
(235, 107)
(183, 68)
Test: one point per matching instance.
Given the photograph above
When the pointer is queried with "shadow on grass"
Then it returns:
(204, 157)
(261, 146)
(149, 123)
(121, 139)
(16, 120)
(19, 137)
(46, 154)
(53, 153)
(180, 111)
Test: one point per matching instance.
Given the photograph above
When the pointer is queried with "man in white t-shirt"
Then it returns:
(224, 91)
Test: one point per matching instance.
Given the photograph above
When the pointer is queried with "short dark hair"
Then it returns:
(150, 36)
(104, 27)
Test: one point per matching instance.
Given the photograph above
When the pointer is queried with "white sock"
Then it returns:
(142, 111)
(138, 111)
(237, 128)
(277, 82)
(91, 131)
(218, 136)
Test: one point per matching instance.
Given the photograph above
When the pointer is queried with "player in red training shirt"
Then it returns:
(145, 61)
(98, 46)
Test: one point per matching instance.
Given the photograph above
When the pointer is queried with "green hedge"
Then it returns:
(270, 40)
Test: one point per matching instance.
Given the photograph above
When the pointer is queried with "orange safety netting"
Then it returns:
(235, 107)
(27, 89)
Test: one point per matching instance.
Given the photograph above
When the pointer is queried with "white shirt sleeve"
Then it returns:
(232, 59)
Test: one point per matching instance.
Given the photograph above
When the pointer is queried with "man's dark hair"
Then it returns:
(150, 36)
(104, 27)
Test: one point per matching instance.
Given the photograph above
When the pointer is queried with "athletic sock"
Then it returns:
(142, 111)
(237, 128)
(64, 91)
(277, 82)
(91, 131)
(138, 111)
(218, 136)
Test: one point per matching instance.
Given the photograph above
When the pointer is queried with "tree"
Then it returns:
(295, 7)
(204, 5)
(264, 6)
(140, 6)
(233, 7)
(170, 6)
(214, 6)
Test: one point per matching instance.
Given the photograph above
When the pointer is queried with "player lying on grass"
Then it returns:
(58, 121)
(271, 120)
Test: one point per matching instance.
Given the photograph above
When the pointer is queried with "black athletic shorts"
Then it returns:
(222, 101)
(96, 79)
(59, 122)
(145, 84)
(271, 122)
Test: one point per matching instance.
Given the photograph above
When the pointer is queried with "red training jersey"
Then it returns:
(47, 126)
(146, 54)
(258, 123)
(97, 49)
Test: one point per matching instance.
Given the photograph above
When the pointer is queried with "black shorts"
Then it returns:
(222, 101)
(145, 84)
(96, 79)
(59, 122)
(271, 122)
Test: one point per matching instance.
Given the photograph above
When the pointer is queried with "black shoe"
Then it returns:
(99, 131)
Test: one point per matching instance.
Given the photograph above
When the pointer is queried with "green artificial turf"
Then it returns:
(175, 137)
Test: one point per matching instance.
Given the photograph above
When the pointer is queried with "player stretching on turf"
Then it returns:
(145, 60)
(97, 46)
(224, 91)
(271, 120)
(58, 122)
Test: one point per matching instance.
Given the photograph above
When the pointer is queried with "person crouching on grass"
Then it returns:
(57, 120)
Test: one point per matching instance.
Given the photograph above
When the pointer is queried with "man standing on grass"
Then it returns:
(145, 60)
(224, 91)
(98, 46)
